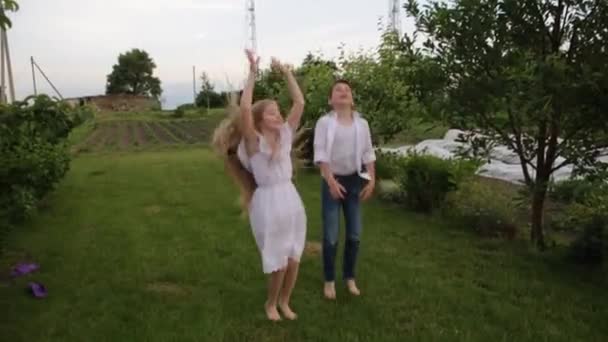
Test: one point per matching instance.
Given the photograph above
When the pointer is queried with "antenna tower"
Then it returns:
(252, 39)
(394, 15)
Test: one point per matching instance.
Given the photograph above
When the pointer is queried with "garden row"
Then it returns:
(123, 135)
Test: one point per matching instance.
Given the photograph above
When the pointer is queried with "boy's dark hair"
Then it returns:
(339, 81)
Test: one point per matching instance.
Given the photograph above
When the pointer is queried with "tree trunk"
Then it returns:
(539, 195)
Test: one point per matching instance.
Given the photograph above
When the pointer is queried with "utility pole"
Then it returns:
(194, 84)
(34, 76)
(6, 66)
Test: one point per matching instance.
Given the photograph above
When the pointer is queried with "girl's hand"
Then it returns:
(254, 60)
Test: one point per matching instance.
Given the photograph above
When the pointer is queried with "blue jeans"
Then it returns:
(331, 224)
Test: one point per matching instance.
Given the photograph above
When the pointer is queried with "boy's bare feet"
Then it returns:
(352, 287)
(272, 313)
(329, 290)
(286, 310)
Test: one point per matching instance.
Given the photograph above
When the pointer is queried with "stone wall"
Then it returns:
(117, 103)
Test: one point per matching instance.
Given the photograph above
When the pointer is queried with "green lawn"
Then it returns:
(150, 247)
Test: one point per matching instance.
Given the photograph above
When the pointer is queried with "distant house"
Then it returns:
(117, 102)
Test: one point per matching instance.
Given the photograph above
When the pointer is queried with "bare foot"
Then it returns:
(286, 310)
(330, 290)
(352, 287)
(272, 313)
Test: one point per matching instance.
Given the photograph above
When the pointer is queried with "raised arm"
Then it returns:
(297, 99)
(248, 127)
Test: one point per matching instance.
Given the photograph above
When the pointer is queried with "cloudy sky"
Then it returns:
(76, 42)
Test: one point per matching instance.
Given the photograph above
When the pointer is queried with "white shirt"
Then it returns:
(325, 134)
(343, 159)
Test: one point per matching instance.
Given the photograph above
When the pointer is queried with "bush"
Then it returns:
(590, 246)
(33, 153)
(427, 180)
(479, 206)
(181, 110)
(593, 202)
(387, 165)
(574, 190)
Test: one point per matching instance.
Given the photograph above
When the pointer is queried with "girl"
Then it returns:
(257, 148)
(342, 145)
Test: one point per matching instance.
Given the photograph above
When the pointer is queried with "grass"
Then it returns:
(150, 246)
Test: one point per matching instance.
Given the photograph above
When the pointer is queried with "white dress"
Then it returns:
(276, 212)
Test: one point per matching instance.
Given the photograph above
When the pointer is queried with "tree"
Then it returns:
(134, 75)
(7, 6)
(383, 87)
(529, 74)
(207, 96)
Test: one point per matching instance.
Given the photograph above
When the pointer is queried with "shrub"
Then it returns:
(387, 165)
(33, 153)
(574, 190)
(585, 205)
(426, 180)
(486, 211)
(180, 111)
(590, 246)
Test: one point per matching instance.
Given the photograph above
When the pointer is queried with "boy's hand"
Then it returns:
(368, 190)
(336, 189)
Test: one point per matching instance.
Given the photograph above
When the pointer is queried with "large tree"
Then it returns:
(207, 96)
(529, 74)
(134, 74)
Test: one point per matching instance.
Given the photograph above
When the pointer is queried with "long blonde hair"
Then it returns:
(226, 139)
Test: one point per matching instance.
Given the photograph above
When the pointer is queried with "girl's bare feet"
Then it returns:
(352, 287)
(272, 313)
(330, 290)
(286, 310)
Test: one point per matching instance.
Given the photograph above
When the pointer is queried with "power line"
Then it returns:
(34, 77)
(46, 78)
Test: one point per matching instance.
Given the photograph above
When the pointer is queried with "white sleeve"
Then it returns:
(369, 155)
(320, 142)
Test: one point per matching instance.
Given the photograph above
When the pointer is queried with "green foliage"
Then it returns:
(33, 153)
(390, 85)
(426, 180)
(527, 74)
(478, 205)
(590, 246)
(8, 6)
(179, 112)
(584, 201)
(573, 190)
(387, 165)
(208, 97)
(134, 74)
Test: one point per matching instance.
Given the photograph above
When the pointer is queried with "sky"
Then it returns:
(76, 42)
